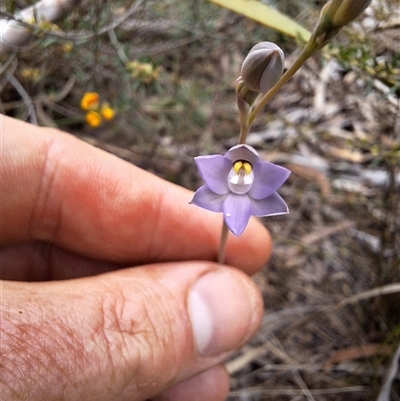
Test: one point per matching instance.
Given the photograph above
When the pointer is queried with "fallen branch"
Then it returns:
(15, 30)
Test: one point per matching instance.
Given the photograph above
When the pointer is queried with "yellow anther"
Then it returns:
(247, 167)
(237, 166)
(242, 166)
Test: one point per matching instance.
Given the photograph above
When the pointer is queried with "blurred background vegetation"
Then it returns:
(166, 70)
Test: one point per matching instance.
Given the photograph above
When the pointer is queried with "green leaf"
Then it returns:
(266, 15)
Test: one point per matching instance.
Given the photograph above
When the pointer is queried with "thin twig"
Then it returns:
(384, 394)
(25, 97)
(293, 392)
(375, 292)
(118, 47)
(11, 65)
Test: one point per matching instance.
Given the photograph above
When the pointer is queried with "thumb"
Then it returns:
(125, 335)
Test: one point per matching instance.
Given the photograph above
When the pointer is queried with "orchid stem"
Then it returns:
(222, 243)
(244, 129)
(241, 93)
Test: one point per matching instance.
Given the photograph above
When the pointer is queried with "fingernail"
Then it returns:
(225, 308)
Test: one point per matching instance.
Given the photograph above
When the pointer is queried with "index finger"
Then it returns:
(59, 189)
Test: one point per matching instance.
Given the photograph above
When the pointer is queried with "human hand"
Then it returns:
(114, 295)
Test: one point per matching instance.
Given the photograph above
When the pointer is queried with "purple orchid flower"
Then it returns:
(239, 185)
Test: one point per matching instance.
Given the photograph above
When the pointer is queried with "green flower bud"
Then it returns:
(341, 12)
(263, 67)
(334, 15)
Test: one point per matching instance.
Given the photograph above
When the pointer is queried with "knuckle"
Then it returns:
(45, 217)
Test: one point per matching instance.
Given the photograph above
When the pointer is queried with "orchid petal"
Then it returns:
(237, 212)
(268, 177)
(215, 169)
(208, 199)
(273, 205)
(242, 152)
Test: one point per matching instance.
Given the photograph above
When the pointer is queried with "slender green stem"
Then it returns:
(308, 51)
(244, 128)
(222, 243)
(241, 92)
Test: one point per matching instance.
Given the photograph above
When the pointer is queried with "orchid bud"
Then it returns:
(263, 67)
(341, 12)
(334, 15)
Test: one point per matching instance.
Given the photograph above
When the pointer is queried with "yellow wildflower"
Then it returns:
(93, 118)
(144, 72)
(90, 101)
(107, 112)
(48, 26)
(31, 74)
(67, 47)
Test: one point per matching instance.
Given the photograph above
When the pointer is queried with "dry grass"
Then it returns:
(335, 125)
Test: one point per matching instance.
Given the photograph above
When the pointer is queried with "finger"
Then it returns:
(105, 337)
(40, 261)
(210, 385)
(59, 189)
